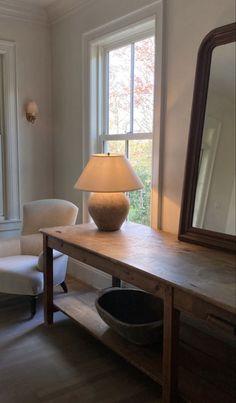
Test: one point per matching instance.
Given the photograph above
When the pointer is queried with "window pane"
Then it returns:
(140, 156)
(114, 147)
(119, 90)
(143, 85)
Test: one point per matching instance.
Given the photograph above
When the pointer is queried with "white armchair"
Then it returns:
(21, 268)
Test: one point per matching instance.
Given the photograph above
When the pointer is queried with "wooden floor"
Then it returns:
(207, 362)
(62, 363)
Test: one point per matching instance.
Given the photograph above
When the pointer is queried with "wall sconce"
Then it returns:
(31, 111)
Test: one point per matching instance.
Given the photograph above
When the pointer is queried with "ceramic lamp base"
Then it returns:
(108, 210)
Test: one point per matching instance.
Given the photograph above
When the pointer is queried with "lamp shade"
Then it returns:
(108, 173)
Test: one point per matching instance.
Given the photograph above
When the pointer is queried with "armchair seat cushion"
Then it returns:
(19, 275)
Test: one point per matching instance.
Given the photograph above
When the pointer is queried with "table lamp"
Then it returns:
(108, 176)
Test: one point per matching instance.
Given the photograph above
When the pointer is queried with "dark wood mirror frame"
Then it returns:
(219, 36)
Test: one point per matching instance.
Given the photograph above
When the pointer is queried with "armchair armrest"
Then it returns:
(10, 247)
(56, 255)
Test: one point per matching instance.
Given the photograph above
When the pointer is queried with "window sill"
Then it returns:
(9, 228)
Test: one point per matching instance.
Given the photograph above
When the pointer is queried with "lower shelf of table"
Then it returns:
(200, 379)
(79, 305)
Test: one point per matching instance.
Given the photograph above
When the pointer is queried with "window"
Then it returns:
(9, 170)
(120, 72)
(128, 77)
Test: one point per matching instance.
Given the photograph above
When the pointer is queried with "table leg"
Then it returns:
(170, 349)
(48, 281)
(116, 282)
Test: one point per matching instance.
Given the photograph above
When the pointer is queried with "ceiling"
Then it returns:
(41, 11)
(40, 3)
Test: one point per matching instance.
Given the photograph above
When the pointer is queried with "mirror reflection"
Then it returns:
(214, 207)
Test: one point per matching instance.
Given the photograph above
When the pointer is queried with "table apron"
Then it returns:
(200, 309)
(116, 269)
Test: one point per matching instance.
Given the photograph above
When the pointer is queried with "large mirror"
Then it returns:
(208, 205)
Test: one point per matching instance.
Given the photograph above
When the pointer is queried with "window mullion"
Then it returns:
(127, 148)
(106, 93)
(127, 136)
(99, 94)
(132, 88)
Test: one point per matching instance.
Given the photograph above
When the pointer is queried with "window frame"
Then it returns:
(93, 42)
(2, 163)
(10, 221)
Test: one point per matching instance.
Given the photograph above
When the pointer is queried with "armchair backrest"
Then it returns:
(42, 214)
(47, 213)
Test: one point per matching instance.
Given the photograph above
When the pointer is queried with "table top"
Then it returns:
(207, 273)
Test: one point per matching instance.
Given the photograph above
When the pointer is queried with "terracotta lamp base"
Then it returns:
(108, 210)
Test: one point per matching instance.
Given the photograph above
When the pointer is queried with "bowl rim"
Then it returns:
(157, 323)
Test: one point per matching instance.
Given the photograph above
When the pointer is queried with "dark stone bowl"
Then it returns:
(134, 314)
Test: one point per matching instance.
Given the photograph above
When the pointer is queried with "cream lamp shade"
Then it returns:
(108, 176)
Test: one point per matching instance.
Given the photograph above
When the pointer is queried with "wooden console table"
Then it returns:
(188, 278)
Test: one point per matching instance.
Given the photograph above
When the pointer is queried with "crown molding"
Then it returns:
(63, 8)
(23, 11)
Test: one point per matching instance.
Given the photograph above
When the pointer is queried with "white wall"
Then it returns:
(186, 23)
(33, 65)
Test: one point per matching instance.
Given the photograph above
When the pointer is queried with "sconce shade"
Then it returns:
(31, 111)
(108, 173)
(108, 176)
(32, 107)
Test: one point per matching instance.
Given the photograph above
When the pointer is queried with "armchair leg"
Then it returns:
(33, 302)
(64, 287)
